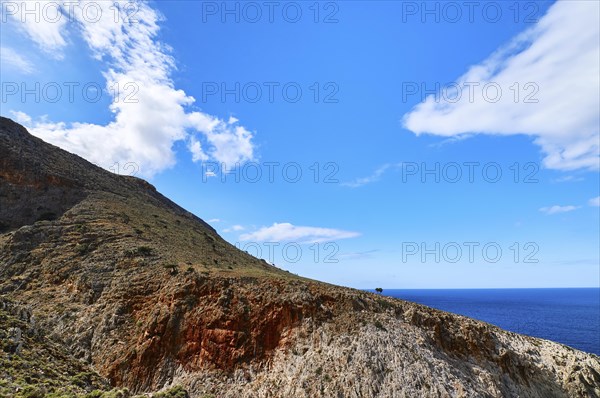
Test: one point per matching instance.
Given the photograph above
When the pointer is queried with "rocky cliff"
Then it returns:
(134, 292)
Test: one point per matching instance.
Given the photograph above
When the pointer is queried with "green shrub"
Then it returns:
(142, 251)
(175, 392)
(82, 248)
(82, 379)
(378, 325)
(383, 303)
(33, 392)
(172, 268)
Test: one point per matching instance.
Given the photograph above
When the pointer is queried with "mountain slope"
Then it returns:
(148, 295)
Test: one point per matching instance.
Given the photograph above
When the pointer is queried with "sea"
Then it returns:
(567, 316)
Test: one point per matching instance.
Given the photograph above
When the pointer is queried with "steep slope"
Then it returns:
(148, 295)
(24, 366)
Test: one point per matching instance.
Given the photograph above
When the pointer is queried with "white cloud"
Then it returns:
(150, 114)
(280, 232)
(558, 209)
(359, 182)
(594, 201)
(234, 228)
(43, 21)
(214, 220)
(560, 56)
(21, 117)
(9, 58)
(230, 143)
(195, 148)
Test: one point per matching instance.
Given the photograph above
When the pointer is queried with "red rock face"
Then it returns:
(209, 324)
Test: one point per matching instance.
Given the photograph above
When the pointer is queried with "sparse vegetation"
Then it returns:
(142, 251)
(41, 368)
(379, 325)
(175, 392)
(82, 248)
(115, 393)
(82, 379)
(172, 268)
(385, 304)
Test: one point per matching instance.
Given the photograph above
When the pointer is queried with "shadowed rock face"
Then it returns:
(148, 295)
(40, 181)
(29, 191)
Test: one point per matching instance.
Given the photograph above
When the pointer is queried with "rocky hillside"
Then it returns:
(122, 285)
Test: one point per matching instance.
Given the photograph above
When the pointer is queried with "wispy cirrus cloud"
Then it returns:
(282, 232)
(376, 176)
(556, 209)
(560, 58)
(569, 178)
(10, 59)
(143, 129)
(594, 202)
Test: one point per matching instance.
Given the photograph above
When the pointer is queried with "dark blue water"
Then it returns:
(568, 316)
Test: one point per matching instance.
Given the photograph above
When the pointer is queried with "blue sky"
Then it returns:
(170, 91)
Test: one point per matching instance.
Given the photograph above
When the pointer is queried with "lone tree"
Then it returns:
(379, 290)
